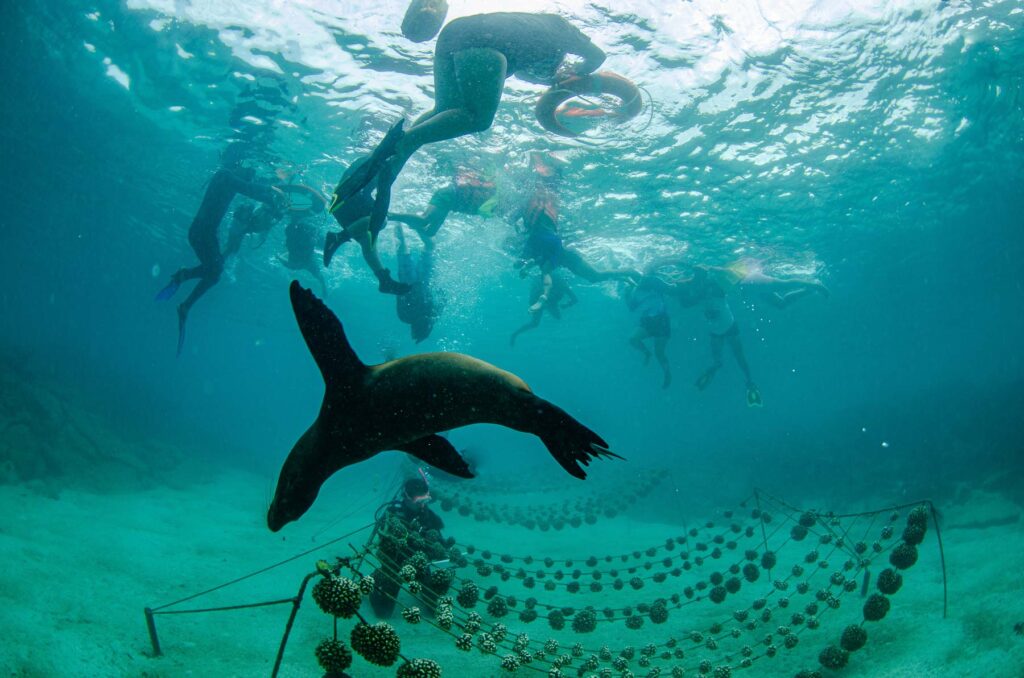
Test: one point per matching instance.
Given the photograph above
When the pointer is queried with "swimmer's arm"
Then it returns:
(593, 57)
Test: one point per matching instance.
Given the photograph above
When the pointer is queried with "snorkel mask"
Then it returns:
(421, 499)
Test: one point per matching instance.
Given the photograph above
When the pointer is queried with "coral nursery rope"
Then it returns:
(157, 610)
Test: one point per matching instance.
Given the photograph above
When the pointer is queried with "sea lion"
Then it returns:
(402, 405)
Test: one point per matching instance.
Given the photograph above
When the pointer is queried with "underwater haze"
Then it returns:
(872, 151)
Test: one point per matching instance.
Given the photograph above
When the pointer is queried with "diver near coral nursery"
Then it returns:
(354, 218)
(202, 236)
(468, 193)
(473, 57)
(418, 308)
(408, 532)
(549, 292)
(648, 297)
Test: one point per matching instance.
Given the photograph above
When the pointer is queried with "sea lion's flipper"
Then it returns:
(438, 452)
(325, 338)
(569, 442)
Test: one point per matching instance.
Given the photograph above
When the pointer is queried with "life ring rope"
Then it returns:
(601, 83)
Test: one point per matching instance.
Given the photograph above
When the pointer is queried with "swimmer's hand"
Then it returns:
(540, 304)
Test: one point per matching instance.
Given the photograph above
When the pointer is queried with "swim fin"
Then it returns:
(389, 285)
(331, 244)
(168, 291)
(705, 378)
(357, 180)
(754, 396)
(182, 317)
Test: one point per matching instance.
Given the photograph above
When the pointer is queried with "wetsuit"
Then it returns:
(534, 45)
(202, 234)
(424, 535)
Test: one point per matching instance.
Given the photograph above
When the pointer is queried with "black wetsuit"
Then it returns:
(417, 307)
(424, 535)
(202, 234)
(531, 42)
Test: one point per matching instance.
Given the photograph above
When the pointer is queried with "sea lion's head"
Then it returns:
(297, 486)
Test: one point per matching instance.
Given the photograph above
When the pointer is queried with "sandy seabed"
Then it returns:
(80, 567)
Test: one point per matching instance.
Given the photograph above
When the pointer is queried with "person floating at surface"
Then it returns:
(747, 274)
(202, 236)
(547, 294)
(648, 297)
(409, 514)
(544, 247)
(417, 308)
(354, 218)
(468, 193)
(472, 58)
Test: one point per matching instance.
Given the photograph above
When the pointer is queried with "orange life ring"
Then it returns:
(594, 84)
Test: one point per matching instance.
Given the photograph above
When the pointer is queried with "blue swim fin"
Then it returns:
(168, 291)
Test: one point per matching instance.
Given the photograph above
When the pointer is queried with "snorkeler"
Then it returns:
(544, 247)
(417, 308)
(407, 512)
(354, 218)
(300, 238)
(648, 297)
(472, 58)
(468, 193)
(546, 294)
(202, 236)
(704, 289)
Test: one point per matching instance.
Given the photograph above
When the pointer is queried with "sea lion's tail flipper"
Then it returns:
(439, 453)
(325, 338)
(569, 442)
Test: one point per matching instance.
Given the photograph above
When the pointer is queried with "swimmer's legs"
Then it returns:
(662, 358)
(532, 325)
(468, 87)
(201, 288)
(637, 342)
(717, 342)
(572, 260)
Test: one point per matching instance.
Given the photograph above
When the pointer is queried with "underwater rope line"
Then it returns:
(899, 507)
(504, 643)
(157, 610)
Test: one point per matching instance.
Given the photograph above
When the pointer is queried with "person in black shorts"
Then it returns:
(648, 297)
(472, 59)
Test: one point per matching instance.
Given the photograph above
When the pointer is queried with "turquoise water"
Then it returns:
(875, 146)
